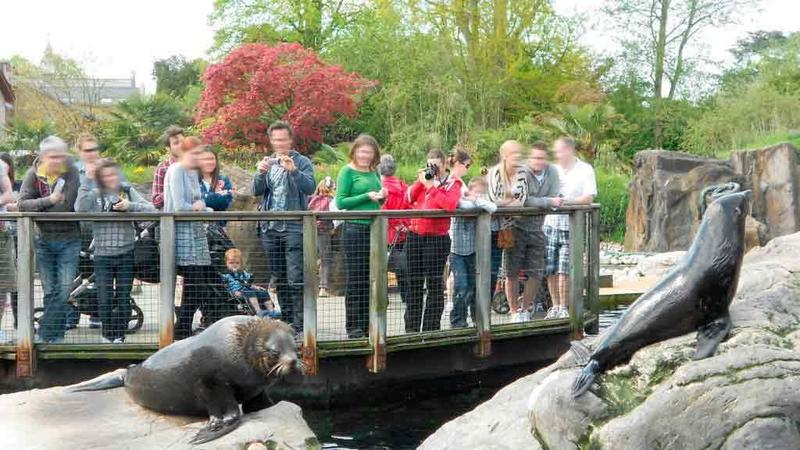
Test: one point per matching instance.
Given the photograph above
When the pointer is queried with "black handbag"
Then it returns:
(397, 261)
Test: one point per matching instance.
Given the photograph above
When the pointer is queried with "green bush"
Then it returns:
(612, 194)
(486, 143)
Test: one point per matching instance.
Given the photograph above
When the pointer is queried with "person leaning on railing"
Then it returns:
(358, 189)
(102, 191)
(396, 199)
(428, 242)
(192, 255)
(51, 185)
(462, 251)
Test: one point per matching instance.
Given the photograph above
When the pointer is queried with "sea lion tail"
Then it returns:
(581, 352)
(109, 380)
(585, 378)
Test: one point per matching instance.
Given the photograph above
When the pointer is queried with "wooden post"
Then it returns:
(166, 309)
(378, 294)
(26, 355)
(310, 290)
(577, 231)
(593, 281)
(483, 284)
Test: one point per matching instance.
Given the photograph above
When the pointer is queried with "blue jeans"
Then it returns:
(57, 262)
(114, 279)
(463, 268)
(285, 253)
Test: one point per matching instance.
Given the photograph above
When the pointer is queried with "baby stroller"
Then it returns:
(83, 296)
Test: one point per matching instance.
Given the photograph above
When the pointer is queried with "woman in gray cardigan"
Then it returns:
(181, 194)
(103, 191)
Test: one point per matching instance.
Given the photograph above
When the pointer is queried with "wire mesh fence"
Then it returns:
(8, 282)
(98, 282)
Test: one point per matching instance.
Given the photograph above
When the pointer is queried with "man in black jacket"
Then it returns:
(51, 185)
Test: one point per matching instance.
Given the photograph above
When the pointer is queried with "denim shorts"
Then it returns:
(556, 251)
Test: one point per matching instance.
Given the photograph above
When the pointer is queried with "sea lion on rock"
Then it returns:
(233, 361)
(693, 296)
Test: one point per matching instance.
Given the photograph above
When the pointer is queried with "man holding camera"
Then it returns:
(284, 180)
(51, 185)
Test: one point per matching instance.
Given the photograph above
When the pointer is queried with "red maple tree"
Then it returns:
(258, 83)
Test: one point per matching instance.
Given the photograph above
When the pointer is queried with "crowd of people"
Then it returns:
(533, 247)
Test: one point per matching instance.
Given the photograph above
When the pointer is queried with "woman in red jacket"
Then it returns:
(428, 242)
(396, 198)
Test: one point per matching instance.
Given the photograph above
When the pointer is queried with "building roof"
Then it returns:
(90, 91)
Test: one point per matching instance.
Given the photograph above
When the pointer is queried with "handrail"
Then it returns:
(286, 215)
(583, 273)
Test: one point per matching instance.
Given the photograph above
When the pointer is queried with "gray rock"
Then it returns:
(746, 396)
(55, 419)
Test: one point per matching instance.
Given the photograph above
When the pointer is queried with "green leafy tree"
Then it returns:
(660, 39)
(132, 133)
(176, 75)
(311, 23)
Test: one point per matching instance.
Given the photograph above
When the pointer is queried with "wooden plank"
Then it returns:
(593, 276)
(577, 244)
(483, 284)
(310, 291)
(166, 307)
(25, 354)
(378, 294)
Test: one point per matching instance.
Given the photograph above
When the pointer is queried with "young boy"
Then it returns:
(462, 251)
(240, 284)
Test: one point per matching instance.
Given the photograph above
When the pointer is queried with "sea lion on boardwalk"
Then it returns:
(693, 296)
(232, 361)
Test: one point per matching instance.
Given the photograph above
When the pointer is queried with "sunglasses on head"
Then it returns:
(92, 149)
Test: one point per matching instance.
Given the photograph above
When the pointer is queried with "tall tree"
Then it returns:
(174, 75)
(660, 37)
(256, 84)
(310, 22)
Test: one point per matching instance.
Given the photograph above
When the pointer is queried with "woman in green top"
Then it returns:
(359, 189)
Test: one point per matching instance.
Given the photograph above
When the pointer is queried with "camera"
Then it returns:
(431, 171)
(111, 201)
(272, 160)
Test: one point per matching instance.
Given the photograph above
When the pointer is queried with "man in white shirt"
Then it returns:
(578, 187)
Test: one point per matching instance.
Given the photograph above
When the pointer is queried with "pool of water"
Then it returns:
(405, 423)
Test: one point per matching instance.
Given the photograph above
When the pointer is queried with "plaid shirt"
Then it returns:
(158, 182)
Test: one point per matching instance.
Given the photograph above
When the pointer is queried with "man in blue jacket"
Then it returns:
(284, 180)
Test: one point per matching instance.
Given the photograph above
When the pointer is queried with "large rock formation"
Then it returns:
(55, 419)
(665, 193)
(745, 396)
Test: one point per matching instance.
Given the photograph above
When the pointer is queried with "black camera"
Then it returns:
(111, 200)
(431, 171)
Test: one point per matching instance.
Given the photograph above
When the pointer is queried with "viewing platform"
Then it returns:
(335, 363)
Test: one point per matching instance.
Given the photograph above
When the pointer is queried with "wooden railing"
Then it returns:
(583, 292)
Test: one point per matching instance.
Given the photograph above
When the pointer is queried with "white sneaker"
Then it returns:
(563, 313)
(119, 340)
(105, 340)
(524, 316)
(552, 313)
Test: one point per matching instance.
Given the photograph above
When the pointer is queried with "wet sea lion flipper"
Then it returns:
(710, 335)
(224, 413)
(585, 378)
(109, 380)
(581, 352)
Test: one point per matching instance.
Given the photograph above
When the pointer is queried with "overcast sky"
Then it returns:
(114, 37)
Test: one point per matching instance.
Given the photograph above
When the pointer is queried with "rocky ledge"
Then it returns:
(55, 419)
(746, 396)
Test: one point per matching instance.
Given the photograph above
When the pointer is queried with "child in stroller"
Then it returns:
(240, 285)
